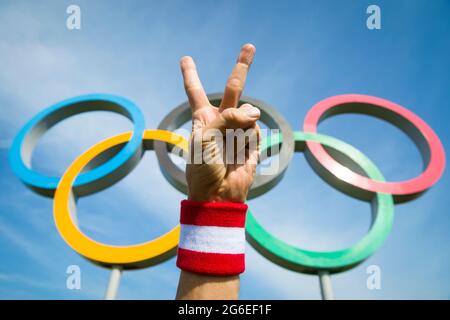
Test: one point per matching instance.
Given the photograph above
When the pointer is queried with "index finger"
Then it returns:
(192, 84)
(236, 81)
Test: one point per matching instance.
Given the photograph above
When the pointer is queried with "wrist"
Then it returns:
(237, 197)
(216, 198)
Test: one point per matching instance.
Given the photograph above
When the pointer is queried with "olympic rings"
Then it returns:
(25, 141)
(115, 157)
(269, 116)
(64, 208)
(430, 146)
(335, 261)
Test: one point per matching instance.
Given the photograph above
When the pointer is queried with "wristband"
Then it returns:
(212, 237)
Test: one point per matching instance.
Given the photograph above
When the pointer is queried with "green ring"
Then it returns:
(305, 261)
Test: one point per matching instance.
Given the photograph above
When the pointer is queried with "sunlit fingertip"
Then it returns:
(186, 61)
(247, 53)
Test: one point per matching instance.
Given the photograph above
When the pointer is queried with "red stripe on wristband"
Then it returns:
(218, 264)
(219, 214)
(212, 237)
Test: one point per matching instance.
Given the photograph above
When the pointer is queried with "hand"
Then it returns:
(215, 177)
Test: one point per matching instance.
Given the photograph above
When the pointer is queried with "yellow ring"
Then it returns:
(129, 257)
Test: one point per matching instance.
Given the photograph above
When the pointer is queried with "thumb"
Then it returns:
(236, 118)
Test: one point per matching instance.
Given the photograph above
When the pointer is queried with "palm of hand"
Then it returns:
(220, 180)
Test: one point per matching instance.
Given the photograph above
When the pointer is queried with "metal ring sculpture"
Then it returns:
(333, 160)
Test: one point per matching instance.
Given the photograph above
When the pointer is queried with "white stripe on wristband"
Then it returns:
(212, 239)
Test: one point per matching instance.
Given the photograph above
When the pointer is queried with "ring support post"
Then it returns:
(326, 289)
(113, 284)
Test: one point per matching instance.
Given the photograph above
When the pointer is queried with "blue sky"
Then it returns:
(306, 51)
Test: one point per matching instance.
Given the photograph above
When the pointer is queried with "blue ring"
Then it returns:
(28, 136)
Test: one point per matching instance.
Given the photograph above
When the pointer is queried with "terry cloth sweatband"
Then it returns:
(212, 237)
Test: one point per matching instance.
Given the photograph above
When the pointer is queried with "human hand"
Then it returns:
(228, 137)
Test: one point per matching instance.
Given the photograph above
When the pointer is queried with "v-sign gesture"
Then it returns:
(212, 174)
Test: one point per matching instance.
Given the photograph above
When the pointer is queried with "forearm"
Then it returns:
(192, 286)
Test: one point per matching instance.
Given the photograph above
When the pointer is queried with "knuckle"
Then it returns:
(230, 114)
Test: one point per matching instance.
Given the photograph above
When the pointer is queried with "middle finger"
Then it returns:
(236, 81)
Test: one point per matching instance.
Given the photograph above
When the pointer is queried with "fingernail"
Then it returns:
(252, 112)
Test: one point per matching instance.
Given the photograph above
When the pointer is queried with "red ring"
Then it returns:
(432, 173)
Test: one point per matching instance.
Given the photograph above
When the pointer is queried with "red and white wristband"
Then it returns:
(212, 237)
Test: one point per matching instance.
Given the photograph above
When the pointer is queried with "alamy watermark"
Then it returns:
(373, 21)
(73, 21)
(73, 281)
(373, 281)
